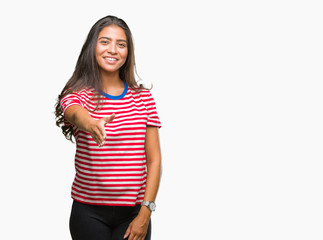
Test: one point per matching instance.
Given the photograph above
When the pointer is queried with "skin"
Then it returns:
(112, 43)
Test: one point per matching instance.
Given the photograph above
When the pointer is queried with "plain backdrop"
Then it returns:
(238, 87)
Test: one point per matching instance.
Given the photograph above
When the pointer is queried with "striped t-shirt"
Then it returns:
(114, 174)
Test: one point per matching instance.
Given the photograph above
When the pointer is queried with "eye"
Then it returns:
(122, 45)
(104, 42)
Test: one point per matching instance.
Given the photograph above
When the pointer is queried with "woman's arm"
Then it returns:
(81, 118)
(138, 227)
(153, 158)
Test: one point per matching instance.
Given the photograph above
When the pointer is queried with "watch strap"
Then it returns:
(150, 204)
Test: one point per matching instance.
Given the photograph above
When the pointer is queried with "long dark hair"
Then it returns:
(86, 73)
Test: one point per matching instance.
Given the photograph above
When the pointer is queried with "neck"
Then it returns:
(111, 82)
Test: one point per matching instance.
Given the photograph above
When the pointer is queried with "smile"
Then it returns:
(110, 59)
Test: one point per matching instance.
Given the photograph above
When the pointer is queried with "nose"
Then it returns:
(112, 48)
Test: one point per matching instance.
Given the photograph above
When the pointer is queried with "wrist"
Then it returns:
(149, 204)
(144, 212)
(82, 120)
(89, 125)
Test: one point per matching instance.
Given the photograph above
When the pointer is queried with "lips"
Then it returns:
(110, 60)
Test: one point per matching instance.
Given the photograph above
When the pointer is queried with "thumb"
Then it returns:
(127, 232)
(108, 119)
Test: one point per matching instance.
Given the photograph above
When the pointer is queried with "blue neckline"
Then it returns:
(116, 97)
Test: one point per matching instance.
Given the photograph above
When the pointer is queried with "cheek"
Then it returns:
(98, 54)
(124, 55)
(98, 50)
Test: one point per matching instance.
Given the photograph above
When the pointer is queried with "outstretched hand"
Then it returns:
(97, 130)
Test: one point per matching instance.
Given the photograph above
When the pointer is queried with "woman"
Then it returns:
(115, 124)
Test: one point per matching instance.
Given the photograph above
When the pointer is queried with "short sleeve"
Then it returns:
(153, 119)
(70, 100)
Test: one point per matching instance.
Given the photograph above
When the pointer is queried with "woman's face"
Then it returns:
(111, 49)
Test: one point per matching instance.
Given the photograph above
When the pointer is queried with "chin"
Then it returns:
(109, 69)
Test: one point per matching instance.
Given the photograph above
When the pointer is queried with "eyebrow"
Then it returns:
(118, 40)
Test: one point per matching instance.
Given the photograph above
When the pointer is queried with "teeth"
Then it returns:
(111, 59)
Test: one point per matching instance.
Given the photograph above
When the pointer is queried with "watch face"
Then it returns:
(152, 206)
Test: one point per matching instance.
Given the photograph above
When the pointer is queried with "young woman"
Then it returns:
(115, 124)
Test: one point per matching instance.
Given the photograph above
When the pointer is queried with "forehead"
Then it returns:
(113, 32)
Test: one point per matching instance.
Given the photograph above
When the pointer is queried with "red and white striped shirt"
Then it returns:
(114, 174)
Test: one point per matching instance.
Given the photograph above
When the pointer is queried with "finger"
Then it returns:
(100, 132)
(109, 118)
(98, 140)
(98, 136)
(127, 232)
(134, 236)
(103, 135)
(131, 237)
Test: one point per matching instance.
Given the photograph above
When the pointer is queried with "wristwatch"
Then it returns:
(151, 205)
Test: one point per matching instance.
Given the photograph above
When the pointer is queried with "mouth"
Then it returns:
(110, 59)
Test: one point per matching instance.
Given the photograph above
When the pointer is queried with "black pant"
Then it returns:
(94, 222)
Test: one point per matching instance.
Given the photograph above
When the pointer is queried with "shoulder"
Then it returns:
(143, 93)
(89, 91)
(84, 92)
